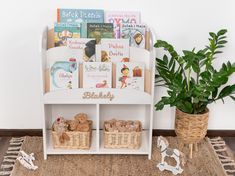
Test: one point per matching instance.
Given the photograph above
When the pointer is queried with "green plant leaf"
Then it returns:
(222, 32)
(232, 97)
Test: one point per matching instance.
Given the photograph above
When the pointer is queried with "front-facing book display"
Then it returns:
(97, 75)
(130, 75)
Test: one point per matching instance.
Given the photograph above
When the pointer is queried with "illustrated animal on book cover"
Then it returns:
(66, 66)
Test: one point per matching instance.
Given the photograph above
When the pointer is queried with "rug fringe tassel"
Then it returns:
(5, 173)
(16, 143)
(215, 139)
(12, 152)
(221, 150)
(14, 148)
(222, 156)
(226, 160)
(9, 160)
(10, 156)
(229, 164)
(6, 166)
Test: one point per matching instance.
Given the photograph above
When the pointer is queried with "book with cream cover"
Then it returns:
(113, 50)
(97, 75)
(130, 75)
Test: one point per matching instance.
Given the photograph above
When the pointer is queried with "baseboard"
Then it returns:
(20, 132)
(38, 132)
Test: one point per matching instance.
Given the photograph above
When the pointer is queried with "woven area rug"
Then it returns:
(213, 159)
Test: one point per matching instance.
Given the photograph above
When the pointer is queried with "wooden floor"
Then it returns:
(4, 142)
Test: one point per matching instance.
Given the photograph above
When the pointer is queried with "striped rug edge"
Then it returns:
(11, 156)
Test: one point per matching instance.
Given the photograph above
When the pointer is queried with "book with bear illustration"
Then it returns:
(97, 75)
(88, 46)
(120, 17)
(130, 75)
(82, 16)
(135, 33)
(63, 31)
(113, 50)
(100, 30)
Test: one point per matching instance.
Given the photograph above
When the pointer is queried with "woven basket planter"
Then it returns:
(191, 128)
(131, 140)
(78, 140)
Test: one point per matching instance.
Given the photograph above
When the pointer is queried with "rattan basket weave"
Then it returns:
(131, 140)
(78, 140)
(191, 128)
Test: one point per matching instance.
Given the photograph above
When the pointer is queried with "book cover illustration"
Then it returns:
(64, 74)
(97, 75)
(63, 31)
(88, 46)
(135, 33)
(82, 16)
(120, 17)
(100, 30)
(114, 50)
(130, 75)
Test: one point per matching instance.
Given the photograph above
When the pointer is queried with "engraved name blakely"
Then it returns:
(98, 95)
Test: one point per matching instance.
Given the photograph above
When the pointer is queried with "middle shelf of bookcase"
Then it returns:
(97, 96)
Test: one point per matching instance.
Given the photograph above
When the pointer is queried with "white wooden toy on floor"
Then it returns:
(27, 160)
(163, 144)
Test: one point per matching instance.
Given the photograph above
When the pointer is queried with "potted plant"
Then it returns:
(193, 83)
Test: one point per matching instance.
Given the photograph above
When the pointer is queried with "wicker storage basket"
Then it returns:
(191, 128)
(78, 140)
(131, 140)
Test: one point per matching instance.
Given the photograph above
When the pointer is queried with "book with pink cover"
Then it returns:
(113, 50)
(120, 17)
(97, 75)
(130, 75)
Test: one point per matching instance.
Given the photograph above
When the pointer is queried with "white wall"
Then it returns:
(184, 23)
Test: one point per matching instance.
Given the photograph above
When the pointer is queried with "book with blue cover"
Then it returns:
(63, 31)
(81, 16)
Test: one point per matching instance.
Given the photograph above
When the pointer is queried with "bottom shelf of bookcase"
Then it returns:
(143, 150)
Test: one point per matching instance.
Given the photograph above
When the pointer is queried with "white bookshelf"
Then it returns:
(126, 105)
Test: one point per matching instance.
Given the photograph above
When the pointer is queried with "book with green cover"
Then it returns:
(100, 30)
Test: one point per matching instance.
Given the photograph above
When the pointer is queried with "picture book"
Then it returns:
(82, 16)
(130, 75)
(97, 75)
(100, 30)
(135, 33)
(114, 50)
(120, 17)
(62, 63)
(88, 46)
(63, 31)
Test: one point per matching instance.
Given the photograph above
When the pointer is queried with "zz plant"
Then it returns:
(191, 80)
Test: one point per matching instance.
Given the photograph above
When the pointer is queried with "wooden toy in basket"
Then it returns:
(122, 134)
(72, 134)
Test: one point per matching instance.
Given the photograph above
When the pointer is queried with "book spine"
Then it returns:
(58, 15)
